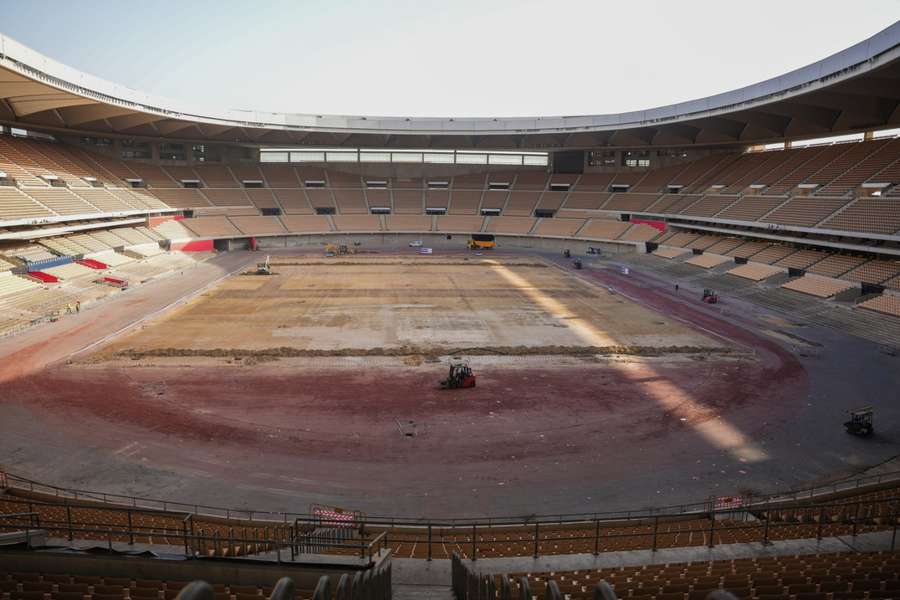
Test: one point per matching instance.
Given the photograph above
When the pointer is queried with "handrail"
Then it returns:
(686, 509)
(850, 515)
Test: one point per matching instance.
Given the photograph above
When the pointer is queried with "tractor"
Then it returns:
(710, 297)
(860, 422)
(460, 376)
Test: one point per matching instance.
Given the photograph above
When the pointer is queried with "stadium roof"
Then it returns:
(853, 90)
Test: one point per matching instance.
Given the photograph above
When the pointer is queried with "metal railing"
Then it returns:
(369, 538)
(758, 502)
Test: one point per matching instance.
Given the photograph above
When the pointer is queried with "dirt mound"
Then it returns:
(416, 354)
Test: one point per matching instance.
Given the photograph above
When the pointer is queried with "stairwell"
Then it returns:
(420, 580)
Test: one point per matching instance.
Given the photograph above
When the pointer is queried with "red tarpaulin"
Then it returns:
(44, 277)
(660, 225)
(91, 263)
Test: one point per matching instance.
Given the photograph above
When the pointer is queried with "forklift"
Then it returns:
(460, 376)
(860, 422)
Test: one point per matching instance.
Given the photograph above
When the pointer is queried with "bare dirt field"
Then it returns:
(319, 384)
(381, 305)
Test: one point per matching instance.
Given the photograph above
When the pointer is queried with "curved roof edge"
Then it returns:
(856, 60)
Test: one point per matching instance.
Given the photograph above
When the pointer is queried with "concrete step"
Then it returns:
(421, 592)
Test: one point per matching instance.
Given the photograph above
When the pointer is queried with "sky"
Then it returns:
(450, 58)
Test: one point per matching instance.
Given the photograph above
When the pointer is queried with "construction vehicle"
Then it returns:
(577, 264)
(263, 267)
(460, 376)
(481, 241)
(710, 297)
(860, 422)
(332, 250)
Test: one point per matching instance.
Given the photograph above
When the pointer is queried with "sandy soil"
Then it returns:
(420, 306)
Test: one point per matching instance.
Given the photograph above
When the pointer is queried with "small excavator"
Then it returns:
(460, 376)
(860, 422)
(263, 268)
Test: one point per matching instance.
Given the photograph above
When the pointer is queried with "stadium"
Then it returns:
(239, 349)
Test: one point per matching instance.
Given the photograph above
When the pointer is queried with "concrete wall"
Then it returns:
(439, 241)
(233, 571)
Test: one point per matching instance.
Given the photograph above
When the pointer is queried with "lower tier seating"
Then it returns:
(887, 304)
(820, 287)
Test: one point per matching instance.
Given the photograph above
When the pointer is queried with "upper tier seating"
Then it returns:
(280, 176)
(263, 197)
(594, 182)
(672, 203)
(350, 201)
(216, 176)
(875, 215)
(61, 201)
(15, 204)
(751, 208)
(408, 201)
(464, 202)
(521, 204)
(846, 181)
(437, 199)
(226, 197)
(106, 201)
(804, 212)
(319, 198)
(551, 201)
(293, 201)
(494, 199)
(586, 200)
(818, 158)
(629, 202)
(708, 206)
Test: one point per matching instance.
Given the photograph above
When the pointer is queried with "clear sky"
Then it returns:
(440, 58)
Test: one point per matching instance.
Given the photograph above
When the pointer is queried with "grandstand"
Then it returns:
(234, 324)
